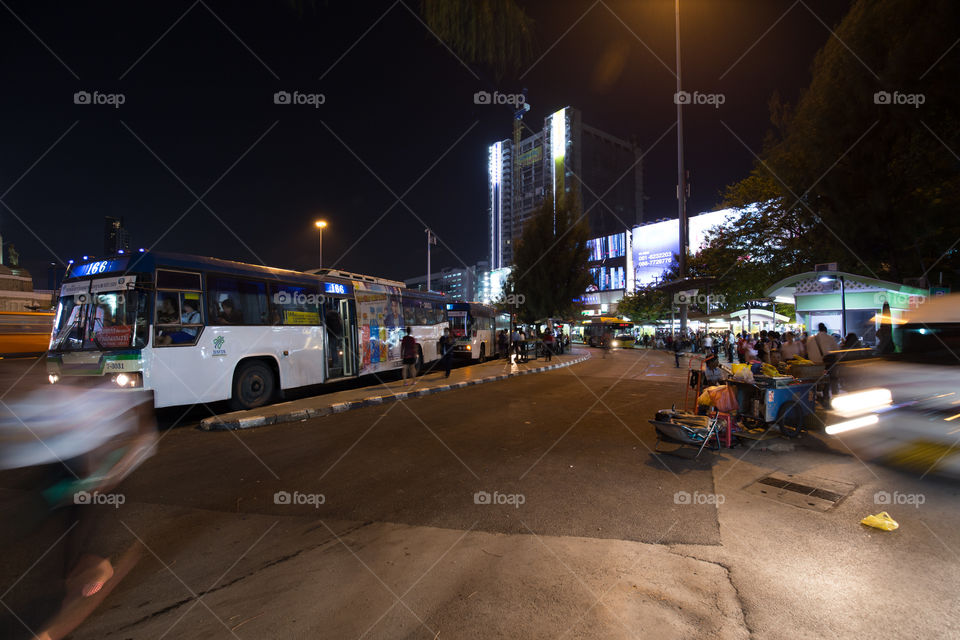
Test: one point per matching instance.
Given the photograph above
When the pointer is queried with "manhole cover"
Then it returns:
(817, 494)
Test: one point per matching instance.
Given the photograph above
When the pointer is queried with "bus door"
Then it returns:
(351, 351)
(339, 319)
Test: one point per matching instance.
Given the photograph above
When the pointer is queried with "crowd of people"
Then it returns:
(764, 346)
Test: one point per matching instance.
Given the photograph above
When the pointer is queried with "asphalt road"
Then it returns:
(585, 533)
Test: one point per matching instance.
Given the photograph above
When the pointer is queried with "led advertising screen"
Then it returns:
(607, 247)
(653, 249)
(654, 245)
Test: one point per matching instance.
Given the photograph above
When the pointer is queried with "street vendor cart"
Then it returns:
(782, 401)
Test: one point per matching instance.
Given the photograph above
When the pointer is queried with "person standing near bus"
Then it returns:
(445, 349)
(408, 352)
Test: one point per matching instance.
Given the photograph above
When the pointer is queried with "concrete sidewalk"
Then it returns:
(384, 392)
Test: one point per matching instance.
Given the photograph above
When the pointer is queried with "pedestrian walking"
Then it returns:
(515, 338)
(676, 352)
(408, 352)
(548, 345)
(445, 349)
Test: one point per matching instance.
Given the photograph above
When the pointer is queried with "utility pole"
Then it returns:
(431, 239)
(681, 179)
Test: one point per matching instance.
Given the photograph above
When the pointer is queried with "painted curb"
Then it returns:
(216, 423)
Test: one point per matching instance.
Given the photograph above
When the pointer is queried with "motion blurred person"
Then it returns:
(83, 443)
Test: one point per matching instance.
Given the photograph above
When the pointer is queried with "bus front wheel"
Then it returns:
(253, 386)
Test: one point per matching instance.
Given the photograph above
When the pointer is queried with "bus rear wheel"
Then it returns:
(253, 386)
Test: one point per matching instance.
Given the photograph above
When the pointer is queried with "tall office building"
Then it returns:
(460, 284)
(116, 238)
(606, 171)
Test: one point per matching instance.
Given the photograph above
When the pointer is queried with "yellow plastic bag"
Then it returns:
(704, 399)
(881, 521)
(737, 367)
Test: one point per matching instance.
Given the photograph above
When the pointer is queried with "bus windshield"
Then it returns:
(105, 320)
(459, 324)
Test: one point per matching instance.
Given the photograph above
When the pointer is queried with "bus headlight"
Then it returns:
(468, 347)
(850, 425)
(128, 380)
(53, 378)
(853, 404)
(615, 343)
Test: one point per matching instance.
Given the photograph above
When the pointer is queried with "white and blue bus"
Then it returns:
(474, 327)
(197, 330)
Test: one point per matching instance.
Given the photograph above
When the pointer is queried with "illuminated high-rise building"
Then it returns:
(606, 171)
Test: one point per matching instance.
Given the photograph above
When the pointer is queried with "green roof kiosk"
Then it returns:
(845, 302)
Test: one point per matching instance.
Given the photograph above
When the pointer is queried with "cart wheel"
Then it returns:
(790, 419)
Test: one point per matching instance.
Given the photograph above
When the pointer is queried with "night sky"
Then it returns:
(399, 120)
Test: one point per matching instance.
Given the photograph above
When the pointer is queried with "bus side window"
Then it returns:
(409, 312)
(294, 305)
(238, 302)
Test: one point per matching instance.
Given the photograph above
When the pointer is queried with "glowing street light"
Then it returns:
(320, 225)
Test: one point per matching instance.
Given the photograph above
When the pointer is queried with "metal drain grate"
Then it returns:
(817, 494)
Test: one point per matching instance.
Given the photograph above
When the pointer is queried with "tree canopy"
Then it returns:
(864, 170)
(550, 261)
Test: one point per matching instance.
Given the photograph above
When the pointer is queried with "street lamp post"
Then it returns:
(681, 178)
(320, 225)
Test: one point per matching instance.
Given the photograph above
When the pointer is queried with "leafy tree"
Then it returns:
(647, 305)
(550, 261)
(494, 33)
(847, 177)
(497, 33)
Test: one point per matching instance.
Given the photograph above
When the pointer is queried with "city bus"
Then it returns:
(592, 332)
(196, 330)
(474, 327)
(24, 333)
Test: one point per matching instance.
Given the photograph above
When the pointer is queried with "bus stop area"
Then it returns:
(390, 390)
